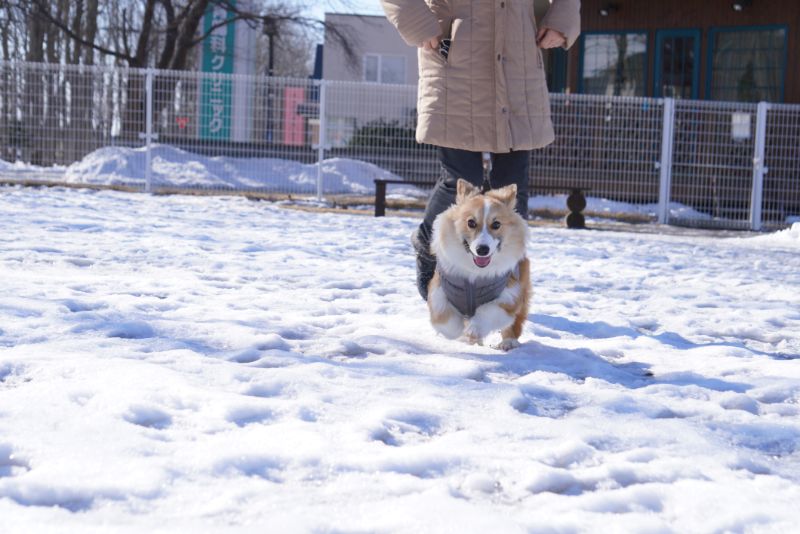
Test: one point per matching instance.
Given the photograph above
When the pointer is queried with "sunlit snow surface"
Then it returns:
(185, 364)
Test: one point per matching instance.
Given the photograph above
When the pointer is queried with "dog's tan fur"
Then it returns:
(452, 229)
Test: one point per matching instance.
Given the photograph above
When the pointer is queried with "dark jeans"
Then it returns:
(507, 168)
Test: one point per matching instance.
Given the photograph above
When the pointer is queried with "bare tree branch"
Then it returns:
(170, 32)
(163, 33)
(41, 14)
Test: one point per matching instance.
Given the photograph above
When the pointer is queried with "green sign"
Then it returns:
(217, 91)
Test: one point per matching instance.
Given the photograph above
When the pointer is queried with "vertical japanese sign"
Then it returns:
(218, 58)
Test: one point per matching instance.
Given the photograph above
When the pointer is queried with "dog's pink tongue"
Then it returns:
(482, 261)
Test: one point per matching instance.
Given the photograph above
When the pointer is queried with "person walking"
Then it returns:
(482, 89)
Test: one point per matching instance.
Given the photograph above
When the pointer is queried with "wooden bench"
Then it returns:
(576, 201)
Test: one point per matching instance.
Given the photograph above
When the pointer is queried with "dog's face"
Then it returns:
(489, 233)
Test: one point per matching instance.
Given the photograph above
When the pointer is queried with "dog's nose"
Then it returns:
(482, 250)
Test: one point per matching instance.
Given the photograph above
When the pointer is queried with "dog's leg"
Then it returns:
(444, 317)
(511, 334)
(514, 330)
(488, 318)
(520, 312)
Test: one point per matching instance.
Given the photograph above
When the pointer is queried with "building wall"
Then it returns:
(353, 106)
(650, 15)
(370, 35)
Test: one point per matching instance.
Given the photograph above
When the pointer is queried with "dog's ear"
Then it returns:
(464, 190)
(507, 195)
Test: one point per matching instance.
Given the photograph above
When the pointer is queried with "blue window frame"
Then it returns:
(613, 63)
(747, 63)
(677, 64)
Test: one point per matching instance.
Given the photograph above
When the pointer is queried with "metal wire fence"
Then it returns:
(711, 164)
(610, 146)
(781, 191)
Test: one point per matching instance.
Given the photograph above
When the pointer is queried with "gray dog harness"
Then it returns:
(466, 296)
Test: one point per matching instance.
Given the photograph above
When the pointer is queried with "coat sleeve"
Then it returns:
(564, 16)
(413, 19)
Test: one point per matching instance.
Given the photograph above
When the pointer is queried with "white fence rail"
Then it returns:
(710, 164)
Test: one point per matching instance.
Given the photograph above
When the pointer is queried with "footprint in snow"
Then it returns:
(12, 375)
(76, 306)
(11, 464)
(347, 285)
(131, 330)
(246, 356)
(261, 466)
(406, 427)
(148, 417)
(243, 416)
(266, 390)
(80, 262)
(542, 402)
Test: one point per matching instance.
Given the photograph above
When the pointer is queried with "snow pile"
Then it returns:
(197, 364)
(18, 168)
(789, 236)
(173, 167)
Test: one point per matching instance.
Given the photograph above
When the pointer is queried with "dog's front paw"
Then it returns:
(472, 337)
(507, 344)
(473, 340)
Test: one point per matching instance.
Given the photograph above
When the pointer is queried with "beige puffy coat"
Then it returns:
(490, 95)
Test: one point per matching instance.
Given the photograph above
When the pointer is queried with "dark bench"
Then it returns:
(576, 201)
(380, 192)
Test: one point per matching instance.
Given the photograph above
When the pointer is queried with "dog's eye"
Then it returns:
(472, 224)
(495, 225)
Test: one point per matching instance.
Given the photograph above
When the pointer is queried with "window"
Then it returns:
(677, 65)
(393, 69)
(747, 64)
(614, 64)
(384, 69)
(371, 68)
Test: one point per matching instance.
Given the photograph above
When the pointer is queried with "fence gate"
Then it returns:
(781, 191)
(712, 164)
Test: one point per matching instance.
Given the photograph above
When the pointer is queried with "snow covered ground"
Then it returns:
(185, 364)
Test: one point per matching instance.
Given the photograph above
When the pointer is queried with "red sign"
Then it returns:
(294, 132)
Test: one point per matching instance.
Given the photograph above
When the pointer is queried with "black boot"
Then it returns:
(426, 263)
(455, 163)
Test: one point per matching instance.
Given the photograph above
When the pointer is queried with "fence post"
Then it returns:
(665, 165)
(323, 137)
(759, 170)
(148, 135)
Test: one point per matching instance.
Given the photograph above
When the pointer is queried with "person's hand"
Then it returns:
(430, 44)
(548, 38)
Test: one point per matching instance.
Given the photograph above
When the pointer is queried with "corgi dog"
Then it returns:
(482, 279)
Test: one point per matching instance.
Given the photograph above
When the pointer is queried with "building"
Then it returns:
(378, 55)
(710, 50)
